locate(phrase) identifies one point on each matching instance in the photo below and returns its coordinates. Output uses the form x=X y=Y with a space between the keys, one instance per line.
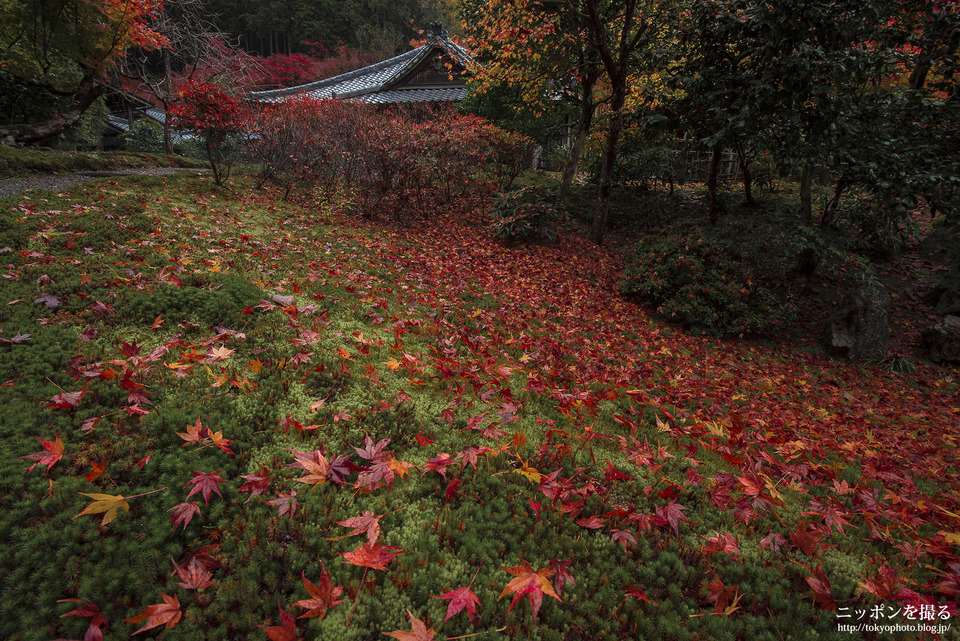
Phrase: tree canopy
x=58 y=52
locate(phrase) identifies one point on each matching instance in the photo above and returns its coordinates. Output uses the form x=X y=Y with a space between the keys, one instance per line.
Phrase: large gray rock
x=946 y=296
x=858 y=326
x=942 y=245
x=943 y=340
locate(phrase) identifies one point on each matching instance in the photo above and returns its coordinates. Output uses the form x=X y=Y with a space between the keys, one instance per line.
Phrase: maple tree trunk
x=38 y=133
x=573 y=158
x=712 y=174
x=602 y=208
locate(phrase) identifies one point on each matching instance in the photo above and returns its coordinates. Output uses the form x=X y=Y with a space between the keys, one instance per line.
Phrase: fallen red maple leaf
x=285 y=503
x=256 y=483
x=725 y=542
x=182 y=514
x=563 y=574
x=671 y=514
x=66 y=400
x=314 y=463
x=528 y=582
x=223 y=443
x=90 y=611
x=324 y=596
x=195 y=433
x=166 y=613
x=462 y=598
x=98 y=469
x=807 y=539
x=373 y=556
x=821 y=591
x=367 y=522
x=205 y=483
x=632 y=589
x=286 y=631
x=195 y=576
x=52 y=452
x=438 y=464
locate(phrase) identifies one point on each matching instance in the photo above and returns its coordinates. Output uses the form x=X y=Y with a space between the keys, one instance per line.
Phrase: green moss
x=219 y=300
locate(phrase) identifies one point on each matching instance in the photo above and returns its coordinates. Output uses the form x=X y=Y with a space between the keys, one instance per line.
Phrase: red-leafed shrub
x=383 y=161
x=287 y=70
x=208 y=111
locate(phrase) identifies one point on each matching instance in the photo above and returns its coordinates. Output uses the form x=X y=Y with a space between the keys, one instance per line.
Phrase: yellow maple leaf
x=951 y=537
x=717 y=430
x=662 y=425
x=105 y=504
x=221 y=353
x=530 y=473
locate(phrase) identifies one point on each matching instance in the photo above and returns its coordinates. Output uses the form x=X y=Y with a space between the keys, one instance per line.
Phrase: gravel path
x=16 y=186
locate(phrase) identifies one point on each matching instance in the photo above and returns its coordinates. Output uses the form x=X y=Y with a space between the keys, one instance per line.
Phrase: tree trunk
x=830 y=209
x=714 y=170
x=745 y=172
x=573 y=158
x=602 y=208
x=806 y=197
x=37 y=133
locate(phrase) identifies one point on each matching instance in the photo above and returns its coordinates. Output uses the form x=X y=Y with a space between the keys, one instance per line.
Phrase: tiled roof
x=439 y=94
x=374 y=84
x=123 y=125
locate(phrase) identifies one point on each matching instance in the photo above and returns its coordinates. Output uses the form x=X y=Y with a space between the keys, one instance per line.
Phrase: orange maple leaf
x=217 y=439
x=419 y=631
x=98 y=469
x=195 y=433
x=314 y=463
x=166 y=613
x=529 y=583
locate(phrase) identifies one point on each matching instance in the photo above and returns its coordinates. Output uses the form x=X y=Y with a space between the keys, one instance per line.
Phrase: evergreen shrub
x=709 y=283
x=146 y=135
x=523 y=215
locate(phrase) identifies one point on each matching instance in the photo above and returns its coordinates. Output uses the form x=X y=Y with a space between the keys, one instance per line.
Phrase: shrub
x=709 y=283
x=146 y=135
x=210 y=112
x=389 y=162
x=522 y=215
